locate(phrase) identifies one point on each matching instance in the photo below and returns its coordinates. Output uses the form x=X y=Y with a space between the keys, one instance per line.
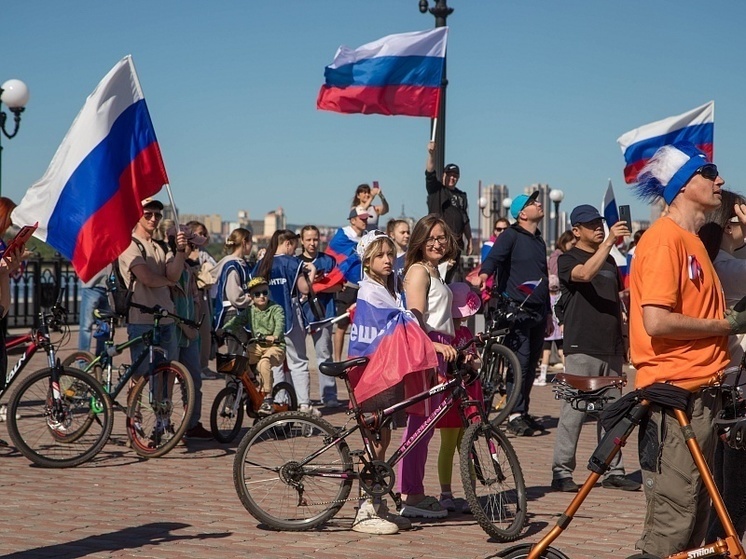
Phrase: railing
x=38 y=287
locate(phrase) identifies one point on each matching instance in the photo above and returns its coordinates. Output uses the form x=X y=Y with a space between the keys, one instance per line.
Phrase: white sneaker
x=308 y=408
x=394 y=516
x=368 y=521
x=540 y=381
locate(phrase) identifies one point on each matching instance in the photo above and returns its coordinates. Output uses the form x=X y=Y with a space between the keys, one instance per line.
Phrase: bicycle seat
x=103 y=314
x=591 y=384
x=342 y=367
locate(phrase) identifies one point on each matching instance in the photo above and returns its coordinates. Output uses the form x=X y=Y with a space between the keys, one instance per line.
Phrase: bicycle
x=161 y=401
x=589 y=393
x=243 y=394
x=58 y=417
x=500 y=374
x=294 y=472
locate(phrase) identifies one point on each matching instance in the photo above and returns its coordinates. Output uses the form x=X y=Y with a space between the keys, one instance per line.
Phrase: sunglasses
x=500 y=229
x=260 y=293
x=708 y=171
x=150 y=215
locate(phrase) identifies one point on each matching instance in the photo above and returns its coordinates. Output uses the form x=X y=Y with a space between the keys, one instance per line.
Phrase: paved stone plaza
x=184 y=505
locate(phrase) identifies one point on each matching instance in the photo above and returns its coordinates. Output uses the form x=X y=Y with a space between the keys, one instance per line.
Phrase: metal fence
x=38 y=287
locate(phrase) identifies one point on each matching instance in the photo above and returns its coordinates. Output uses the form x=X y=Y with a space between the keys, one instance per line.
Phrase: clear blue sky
x=539 y=91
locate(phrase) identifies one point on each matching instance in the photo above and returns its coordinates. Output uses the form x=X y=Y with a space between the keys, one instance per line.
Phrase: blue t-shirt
x=282 y=278
x=324 y=264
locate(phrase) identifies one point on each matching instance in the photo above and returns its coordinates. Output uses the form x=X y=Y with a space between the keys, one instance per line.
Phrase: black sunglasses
x=500 y=229
x=259 y=293
x=150 y=215
x=708 y=171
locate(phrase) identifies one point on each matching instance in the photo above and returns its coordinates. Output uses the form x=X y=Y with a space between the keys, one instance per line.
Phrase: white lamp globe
x=15 y=94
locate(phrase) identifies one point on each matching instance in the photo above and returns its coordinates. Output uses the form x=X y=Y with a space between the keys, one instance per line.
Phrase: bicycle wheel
x=521 y=552
x=501 y=381
x=80 y=359
x=226 y=415
x=493 y=481
x=63 y=433
x=284 y=397
x=276 y=484
x=159 y=408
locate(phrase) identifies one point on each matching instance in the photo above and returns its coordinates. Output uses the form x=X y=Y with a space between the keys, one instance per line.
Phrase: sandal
x=429 y=507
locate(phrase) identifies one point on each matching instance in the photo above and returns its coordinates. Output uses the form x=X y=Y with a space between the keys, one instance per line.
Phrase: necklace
x=433 y=269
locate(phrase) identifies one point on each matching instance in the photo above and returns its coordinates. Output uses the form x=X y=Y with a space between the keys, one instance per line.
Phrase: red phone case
x=23 y=236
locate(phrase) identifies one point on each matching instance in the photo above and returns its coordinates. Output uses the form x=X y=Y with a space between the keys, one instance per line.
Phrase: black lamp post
x=440 y=11
x=14 y=94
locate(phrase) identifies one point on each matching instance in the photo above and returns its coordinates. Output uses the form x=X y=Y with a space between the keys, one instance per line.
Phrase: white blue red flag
x=392 y=338
x=89 y=199
x=528 y=287
x=610 y=211
x=342 y=247
x=397 y=75
x=696 y=126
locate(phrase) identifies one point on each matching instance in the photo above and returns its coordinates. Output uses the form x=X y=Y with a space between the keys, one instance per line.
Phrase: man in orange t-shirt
x=678 y=330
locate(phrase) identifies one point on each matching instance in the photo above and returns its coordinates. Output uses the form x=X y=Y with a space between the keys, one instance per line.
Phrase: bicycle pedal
x=357 y=453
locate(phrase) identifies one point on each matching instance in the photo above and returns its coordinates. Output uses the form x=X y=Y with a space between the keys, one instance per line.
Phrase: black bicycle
x=294 y=472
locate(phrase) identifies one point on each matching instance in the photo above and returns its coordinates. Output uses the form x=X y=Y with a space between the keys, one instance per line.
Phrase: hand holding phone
x=376 y=189
x=21 y=238
x=624 y=215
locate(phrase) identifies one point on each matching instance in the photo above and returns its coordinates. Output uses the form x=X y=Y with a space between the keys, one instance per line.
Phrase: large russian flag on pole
x=394 y=341
x=89 y=200
x=396 y=75
x=696 y=126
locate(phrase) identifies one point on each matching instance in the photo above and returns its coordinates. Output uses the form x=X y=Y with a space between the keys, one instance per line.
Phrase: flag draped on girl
x=397 y=75
x=89 y=199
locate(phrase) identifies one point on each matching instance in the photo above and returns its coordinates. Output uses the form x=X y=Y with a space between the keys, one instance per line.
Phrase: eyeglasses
x=708 y=171
x=500 y=229
x=257 y=294
x=430 y=241
x=150 y=215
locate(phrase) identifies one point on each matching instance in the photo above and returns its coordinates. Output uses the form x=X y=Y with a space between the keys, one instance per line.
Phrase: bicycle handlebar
x=157 y=310
x=259 y=338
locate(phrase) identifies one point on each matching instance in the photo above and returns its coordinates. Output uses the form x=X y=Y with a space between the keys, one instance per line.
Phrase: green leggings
x=450 y=440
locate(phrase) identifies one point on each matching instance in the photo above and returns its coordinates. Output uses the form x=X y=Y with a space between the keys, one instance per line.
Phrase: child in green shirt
x=266 y=321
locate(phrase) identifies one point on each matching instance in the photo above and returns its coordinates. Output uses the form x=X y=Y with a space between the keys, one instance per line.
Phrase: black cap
x=584 y=213
x=452 y=168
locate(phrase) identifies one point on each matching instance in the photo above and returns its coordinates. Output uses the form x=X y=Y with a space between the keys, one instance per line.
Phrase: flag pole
x=434 y=128
x=173 y=204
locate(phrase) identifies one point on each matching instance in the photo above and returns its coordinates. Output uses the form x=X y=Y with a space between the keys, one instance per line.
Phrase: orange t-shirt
x=671 y=269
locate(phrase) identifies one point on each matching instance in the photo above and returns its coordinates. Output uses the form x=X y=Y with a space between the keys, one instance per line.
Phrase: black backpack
x=120 y=296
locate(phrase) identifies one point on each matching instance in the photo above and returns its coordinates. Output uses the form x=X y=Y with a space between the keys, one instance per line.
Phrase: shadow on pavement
x=135 y=537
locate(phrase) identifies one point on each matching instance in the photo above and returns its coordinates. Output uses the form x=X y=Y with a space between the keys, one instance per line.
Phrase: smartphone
x=375 y=185
x=624 y=215
x=21 y=238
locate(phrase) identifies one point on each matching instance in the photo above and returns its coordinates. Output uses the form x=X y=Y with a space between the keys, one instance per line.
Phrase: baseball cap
x=256 y=282
x=521 y=201
x=585 y=213
x=358 y=212
x=152 y=203
x=465 y=302
x=452 y=168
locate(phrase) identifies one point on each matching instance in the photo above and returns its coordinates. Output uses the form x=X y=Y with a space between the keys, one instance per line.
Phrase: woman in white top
x=363 y=199
x=429 y=299
x=722 y=235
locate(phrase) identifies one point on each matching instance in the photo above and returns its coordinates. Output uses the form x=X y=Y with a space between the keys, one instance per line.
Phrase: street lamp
x=440 y=11
x=507 y=202
x=482 y=202
x=556 y=196
x=14 y=94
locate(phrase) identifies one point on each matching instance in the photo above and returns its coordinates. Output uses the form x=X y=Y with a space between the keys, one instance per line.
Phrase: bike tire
x=271 y=483
x=284 y=397
x=501 y=380
x=225 y=424
x=82 y=356
x=155 y=426
x=493 y=482
x=522 y=551
x=69 y=436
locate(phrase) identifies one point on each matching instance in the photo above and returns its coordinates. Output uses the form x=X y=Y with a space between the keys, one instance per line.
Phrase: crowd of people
x=674 y=320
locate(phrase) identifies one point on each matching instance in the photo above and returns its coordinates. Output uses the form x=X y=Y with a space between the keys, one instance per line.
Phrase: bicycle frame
x=34 y=340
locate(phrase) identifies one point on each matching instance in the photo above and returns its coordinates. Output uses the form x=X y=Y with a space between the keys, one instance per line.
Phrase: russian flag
x=343 y=248
x=696 y=126
x=528 y=287
x=397 y=75
x=394 y=341
x=611 y=215
x=89 y=200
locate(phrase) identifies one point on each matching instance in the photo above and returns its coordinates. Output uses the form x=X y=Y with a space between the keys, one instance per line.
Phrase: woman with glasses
x=285 y=273
x=429 y=299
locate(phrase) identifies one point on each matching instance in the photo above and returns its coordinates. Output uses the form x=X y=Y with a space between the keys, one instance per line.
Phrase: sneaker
x=4 y=414
x=367 y=521
x=533 y=422
x=394 y=516
x=429 y=507
x=620 y=482
x=332 y=404
x=267 y=408
x=540 y=381
x=565 y=484
x=466 y=508
x=308 y=408
x=198 y=433
x=208 y=374
x=519 y=427
x=446 y=501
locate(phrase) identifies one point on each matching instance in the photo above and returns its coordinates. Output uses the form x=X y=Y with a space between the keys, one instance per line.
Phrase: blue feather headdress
x=668 y=171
